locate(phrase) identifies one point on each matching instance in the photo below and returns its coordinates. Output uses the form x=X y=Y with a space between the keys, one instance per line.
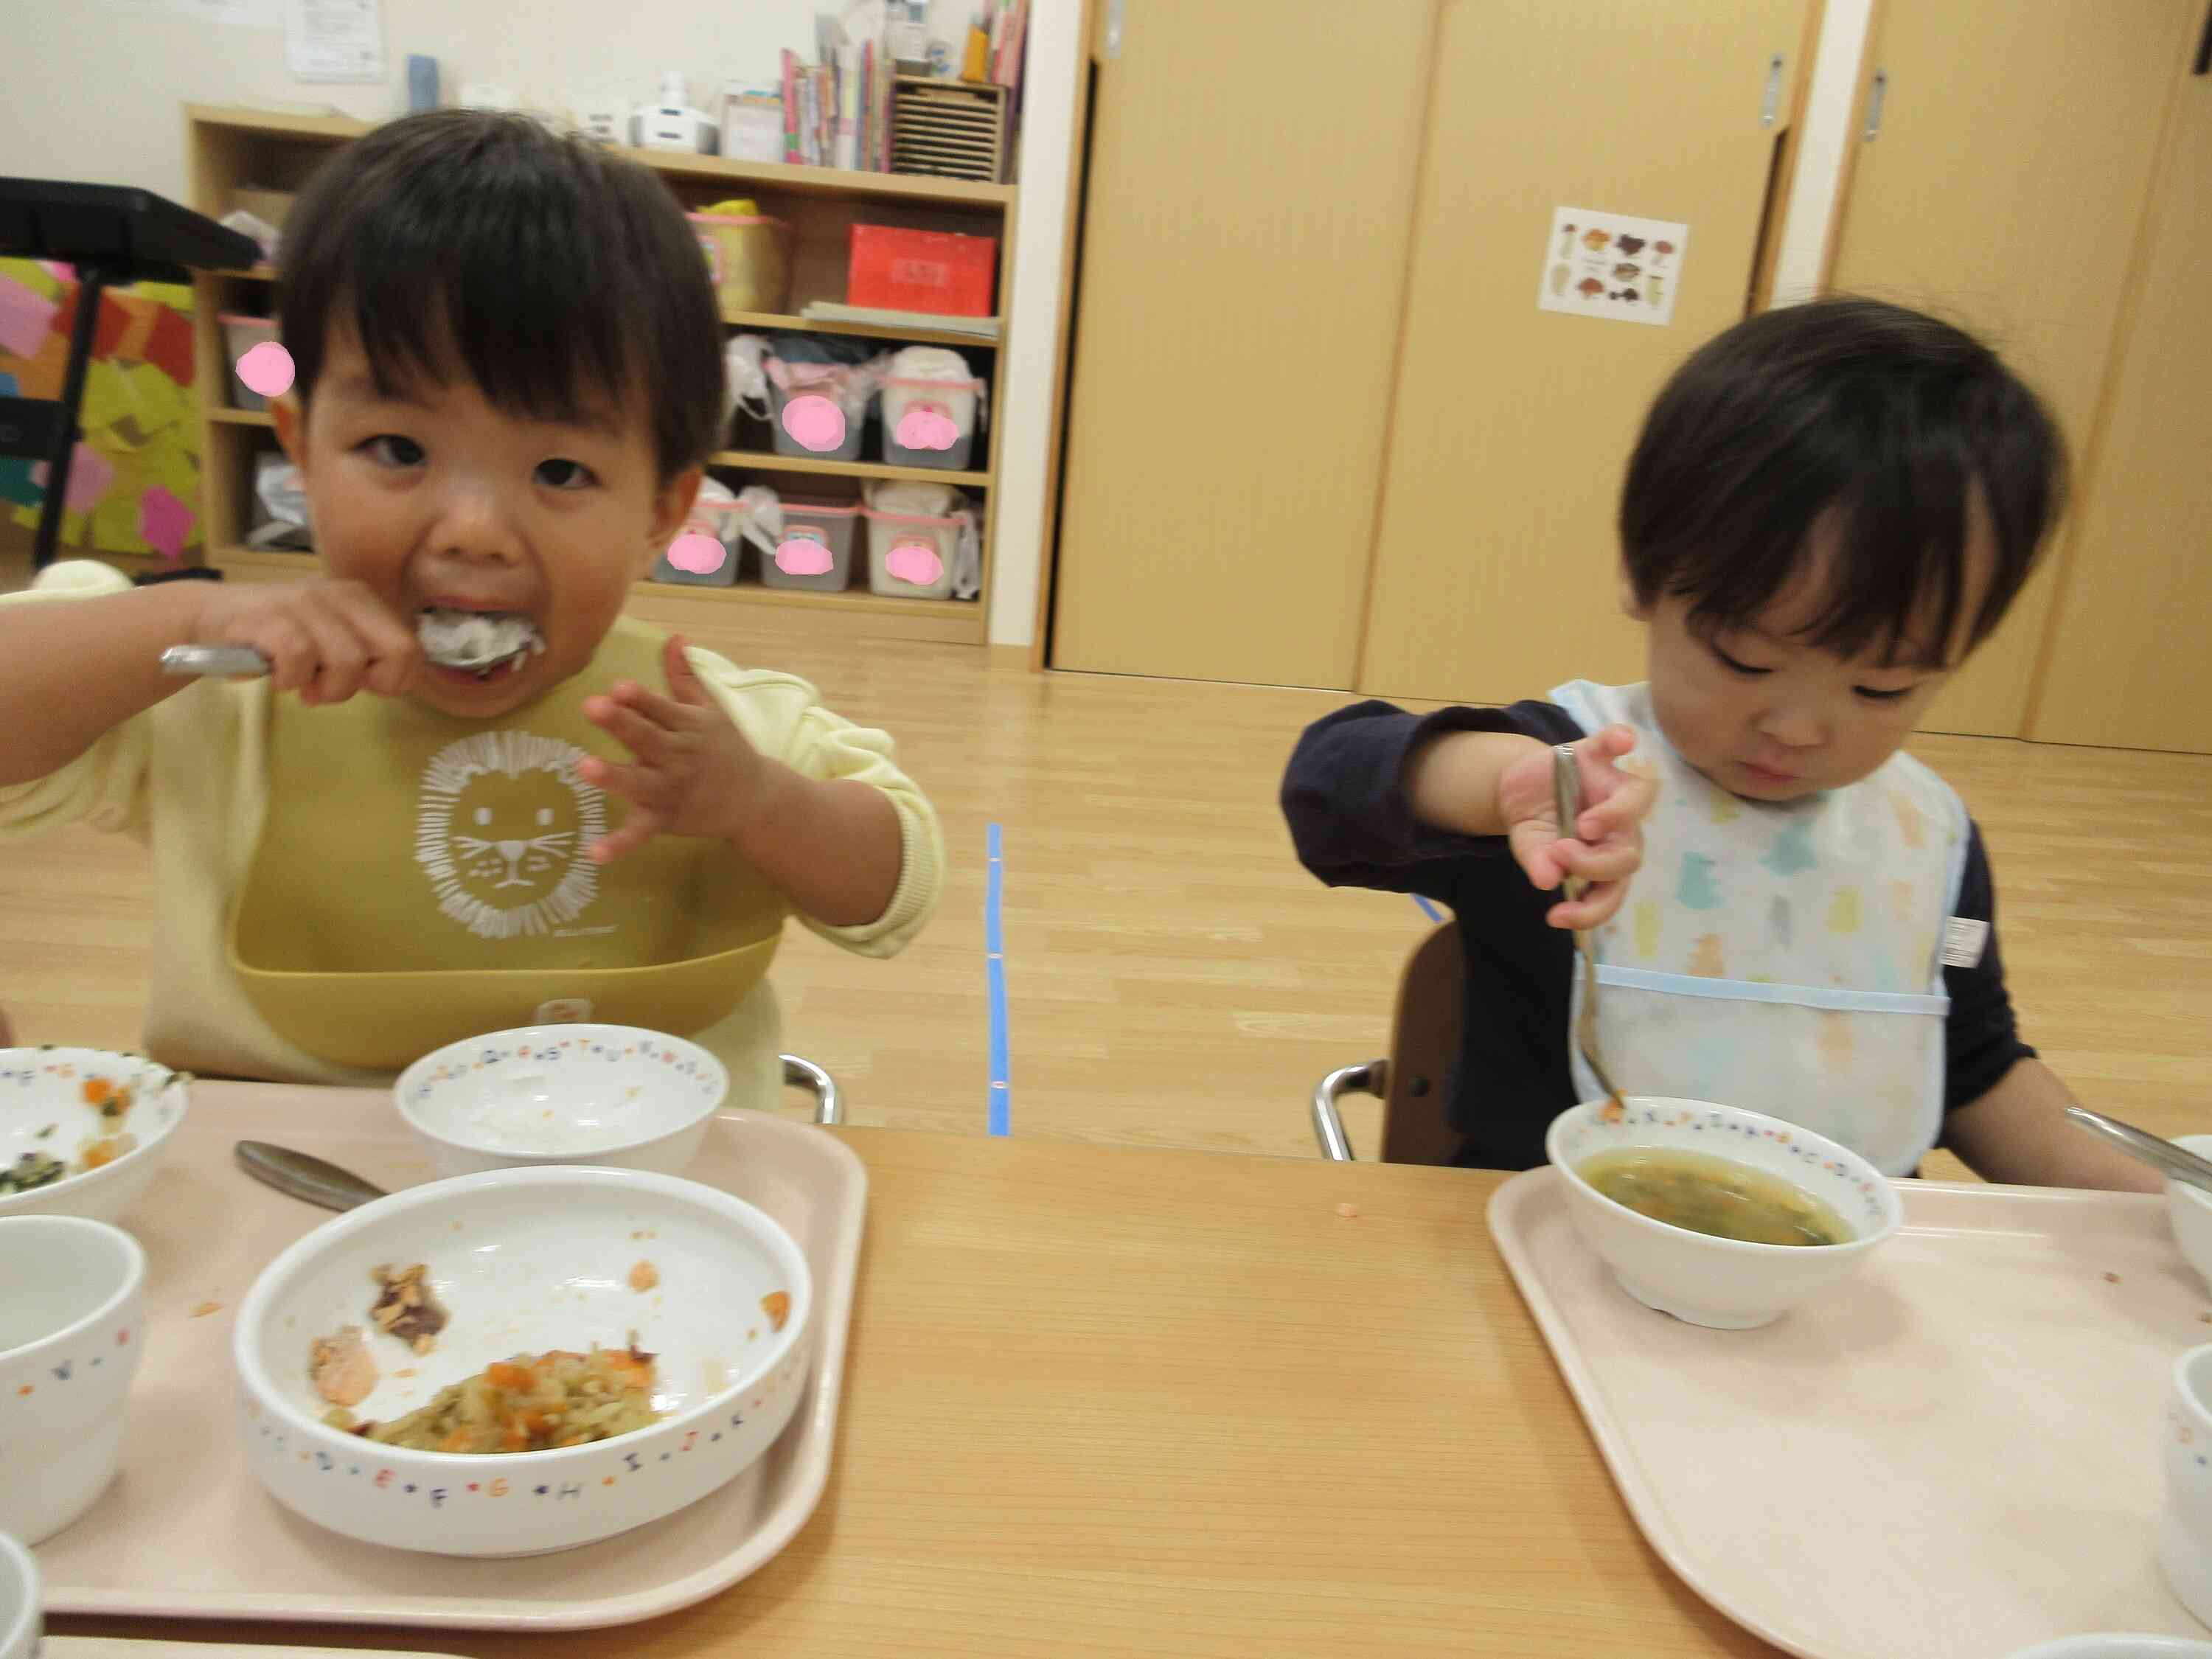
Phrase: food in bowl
x=532 y=1402
x=344 y=1370
x=405 y=1308
x=1701 y=1277
x=530 y=1261
x=1707 y=1194
x=81 y=1129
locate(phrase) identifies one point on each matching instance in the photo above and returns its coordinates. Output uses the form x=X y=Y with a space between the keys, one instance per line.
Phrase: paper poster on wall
x=334 y=39
x=1612 y=265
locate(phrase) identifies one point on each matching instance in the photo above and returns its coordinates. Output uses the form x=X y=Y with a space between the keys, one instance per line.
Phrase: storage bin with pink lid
x=239 y=335
x=815 y=549
x=708 y=552
x=922 y=542
x=933 y=405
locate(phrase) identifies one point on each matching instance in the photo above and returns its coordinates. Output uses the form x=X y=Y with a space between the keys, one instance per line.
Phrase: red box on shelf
x=929 y=270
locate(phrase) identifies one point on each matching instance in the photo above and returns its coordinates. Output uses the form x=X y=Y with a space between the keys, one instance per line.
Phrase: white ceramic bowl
x=526 y=1260
x=606 y=1094
x=20 y=1622
x=2118 y=1647
x=1720 y=1282
x=46 y=1106
x=2191 y=1212
x=71 y=1327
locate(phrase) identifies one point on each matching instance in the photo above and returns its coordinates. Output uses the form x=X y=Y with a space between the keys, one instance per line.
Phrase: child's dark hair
x=1890 y=420
x=547 y=270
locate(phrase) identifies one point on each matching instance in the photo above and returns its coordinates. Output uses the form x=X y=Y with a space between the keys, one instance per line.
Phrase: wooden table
x=1105 y=1402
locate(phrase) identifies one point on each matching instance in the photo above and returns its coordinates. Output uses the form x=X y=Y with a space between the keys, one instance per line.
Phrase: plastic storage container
x=818 y=408
x=938 y=271
x=933 y=405
x=816 y=549
x=914 y=531
x=718 y=514
x=239 y=335
x=747 y=259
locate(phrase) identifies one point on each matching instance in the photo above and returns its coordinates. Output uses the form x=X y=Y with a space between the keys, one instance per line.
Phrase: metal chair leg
x=829 y=1102
x=1372 y=1078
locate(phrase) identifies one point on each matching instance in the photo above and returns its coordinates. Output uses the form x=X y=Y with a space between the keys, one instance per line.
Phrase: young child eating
x=508 y=376
x=1829 y=506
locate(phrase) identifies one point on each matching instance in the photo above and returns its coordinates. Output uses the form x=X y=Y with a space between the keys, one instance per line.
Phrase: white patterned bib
x=1785 y=957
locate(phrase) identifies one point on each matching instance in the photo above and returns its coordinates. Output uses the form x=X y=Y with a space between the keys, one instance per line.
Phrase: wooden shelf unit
x=231 y=149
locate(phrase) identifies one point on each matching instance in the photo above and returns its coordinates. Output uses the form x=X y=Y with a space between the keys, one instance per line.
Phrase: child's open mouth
x=479 y=643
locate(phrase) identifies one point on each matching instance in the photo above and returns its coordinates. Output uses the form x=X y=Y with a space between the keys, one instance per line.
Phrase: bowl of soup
x=1716 y=1215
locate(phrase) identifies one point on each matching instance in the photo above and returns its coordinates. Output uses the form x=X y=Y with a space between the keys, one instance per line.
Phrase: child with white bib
x=1830 y=506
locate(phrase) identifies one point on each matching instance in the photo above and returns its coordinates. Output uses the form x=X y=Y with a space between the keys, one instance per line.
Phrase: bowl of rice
x=611 y=1095
x=84 y=1130
x=522 y=1360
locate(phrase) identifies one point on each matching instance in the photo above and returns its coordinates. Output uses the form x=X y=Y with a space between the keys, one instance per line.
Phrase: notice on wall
x=1612 y=265
x=334 y=39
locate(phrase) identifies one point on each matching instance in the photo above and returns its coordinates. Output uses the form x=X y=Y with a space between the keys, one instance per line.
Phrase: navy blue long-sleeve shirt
x=1352 y=821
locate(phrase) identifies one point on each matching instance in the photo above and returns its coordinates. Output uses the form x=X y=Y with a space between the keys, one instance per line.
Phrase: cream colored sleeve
x=782 y=716
x=106 y=786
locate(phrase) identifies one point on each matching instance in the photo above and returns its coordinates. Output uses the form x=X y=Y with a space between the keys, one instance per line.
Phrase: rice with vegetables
x=532 y=1402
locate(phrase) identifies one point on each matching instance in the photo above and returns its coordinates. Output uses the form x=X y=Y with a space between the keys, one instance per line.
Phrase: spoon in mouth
x=444 y=647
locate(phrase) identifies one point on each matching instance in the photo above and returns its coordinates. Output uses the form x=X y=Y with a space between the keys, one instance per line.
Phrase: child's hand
x=324 y=640
x=1604 y=847
x=693 y=774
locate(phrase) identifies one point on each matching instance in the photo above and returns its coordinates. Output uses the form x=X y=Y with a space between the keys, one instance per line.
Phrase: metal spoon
x=1567 y=793
x=2177 y=1162
x=242 y=662
x=296 y=1175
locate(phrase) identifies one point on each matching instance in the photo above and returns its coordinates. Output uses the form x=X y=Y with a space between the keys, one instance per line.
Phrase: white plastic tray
x=187 y=1532
x=1954 y=1456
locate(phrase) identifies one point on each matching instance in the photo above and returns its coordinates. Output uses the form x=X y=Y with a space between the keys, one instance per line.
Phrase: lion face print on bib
x=504 y=830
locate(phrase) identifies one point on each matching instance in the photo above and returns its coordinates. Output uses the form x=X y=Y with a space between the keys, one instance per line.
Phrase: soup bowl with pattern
x=1729 y=1284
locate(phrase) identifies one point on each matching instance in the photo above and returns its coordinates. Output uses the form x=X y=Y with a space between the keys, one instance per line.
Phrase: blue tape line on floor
x=995 y=964
x=1428 y=910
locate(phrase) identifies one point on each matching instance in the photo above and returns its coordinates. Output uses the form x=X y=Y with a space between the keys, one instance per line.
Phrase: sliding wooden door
x=1495 y=567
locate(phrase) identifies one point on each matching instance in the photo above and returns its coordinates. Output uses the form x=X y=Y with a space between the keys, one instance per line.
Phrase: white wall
x=93 y=89
x=1826 y=140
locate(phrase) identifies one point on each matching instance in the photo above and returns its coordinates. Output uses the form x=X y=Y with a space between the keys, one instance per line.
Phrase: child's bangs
x=539 y=337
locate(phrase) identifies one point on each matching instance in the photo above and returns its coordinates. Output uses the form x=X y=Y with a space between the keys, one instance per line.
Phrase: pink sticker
x=164 y=521
x=803 y=554
x=814 y=423
x=916 y=563
x=25 y=317
x=266 y=369
x=90 y=473
x=703 y=555
x=927 y=427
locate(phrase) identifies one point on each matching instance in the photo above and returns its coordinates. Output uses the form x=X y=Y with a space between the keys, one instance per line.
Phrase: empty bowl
x=70 y=1330
x=525 y=1262
x=607 y=1095
x=1702 y=1280
x=20 y=1622
x=88 y=1127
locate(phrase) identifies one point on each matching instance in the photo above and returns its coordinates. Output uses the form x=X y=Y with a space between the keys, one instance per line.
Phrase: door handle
x=1770 y=105
x=1115 y=19
x=1877 y=95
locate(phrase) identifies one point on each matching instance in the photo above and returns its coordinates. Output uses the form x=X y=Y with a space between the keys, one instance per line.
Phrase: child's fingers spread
x=640 y=735
x=638 y=827
x=683 y=682
x=627 y=781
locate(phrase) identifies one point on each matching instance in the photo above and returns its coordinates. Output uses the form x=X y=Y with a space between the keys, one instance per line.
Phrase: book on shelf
x=831 y=310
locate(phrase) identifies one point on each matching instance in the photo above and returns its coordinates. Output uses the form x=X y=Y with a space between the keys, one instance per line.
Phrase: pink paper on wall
x=25 y=317
x=164 y=521
x=90 y=473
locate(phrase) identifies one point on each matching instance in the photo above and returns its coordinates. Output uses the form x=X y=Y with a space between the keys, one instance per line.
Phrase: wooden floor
x=1175 y=979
